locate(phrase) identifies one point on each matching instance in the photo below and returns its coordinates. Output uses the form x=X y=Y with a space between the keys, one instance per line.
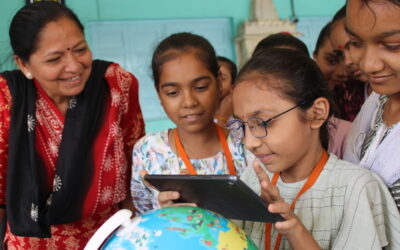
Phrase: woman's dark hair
x=231 y=65
x=302 y=80
x=322 y=37
x=280 y=40
x=29 y=21
x=179 y=43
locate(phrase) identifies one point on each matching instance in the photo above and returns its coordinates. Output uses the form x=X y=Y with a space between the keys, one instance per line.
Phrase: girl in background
x=187 y=79
x=281 y=103
x=373 y=141
x=327 y=60
x=331 y=66
x=351 y=94
x=228 y=73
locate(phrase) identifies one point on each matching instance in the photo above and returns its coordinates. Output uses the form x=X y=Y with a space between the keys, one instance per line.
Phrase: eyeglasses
x=257 y=126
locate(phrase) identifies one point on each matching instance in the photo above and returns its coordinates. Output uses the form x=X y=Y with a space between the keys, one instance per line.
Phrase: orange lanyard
x=181 y=152
x=309 y=183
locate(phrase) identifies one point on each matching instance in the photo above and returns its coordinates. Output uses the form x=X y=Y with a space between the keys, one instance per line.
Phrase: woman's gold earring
x=29 y=76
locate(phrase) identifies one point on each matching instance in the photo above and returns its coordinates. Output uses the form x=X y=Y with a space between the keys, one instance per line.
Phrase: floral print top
x=154 y=154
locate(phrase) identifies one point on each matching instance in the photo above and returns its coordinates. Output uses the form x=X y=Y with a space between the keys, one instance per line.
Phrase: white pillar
x=264 y=22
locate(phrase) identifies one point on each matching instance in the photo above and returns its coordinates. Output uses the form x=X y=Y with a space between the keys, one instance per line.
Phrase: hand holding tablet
x=224 y=194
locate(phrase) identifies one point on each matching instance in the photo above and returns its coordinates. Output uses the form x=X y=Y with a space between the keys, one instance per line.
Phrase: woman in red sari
x=67 y=128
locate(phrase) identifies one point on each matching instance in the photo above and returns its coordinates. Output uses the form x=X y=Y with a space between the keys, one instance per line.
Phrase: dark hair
x=29 y=21
x=303 y=81
x=231 y=65
x=322 y=37
x=179 y=43
x=279 y=40
x=340 y=14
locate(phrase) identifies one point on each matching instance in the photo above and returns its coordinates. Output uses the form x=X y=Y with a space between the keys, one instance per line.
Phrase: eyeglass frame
x=264 y=123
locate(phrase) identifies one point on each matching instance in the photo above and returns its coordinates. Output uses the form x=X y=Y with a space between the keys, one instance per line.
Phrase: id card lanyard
x=309 y=183
x=181 y=152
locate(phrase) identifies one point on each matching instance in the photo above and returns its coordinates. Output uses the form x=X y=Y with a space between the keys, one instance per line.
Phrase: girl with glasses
x=338 y=128
x=281 y=103
x=187 y=79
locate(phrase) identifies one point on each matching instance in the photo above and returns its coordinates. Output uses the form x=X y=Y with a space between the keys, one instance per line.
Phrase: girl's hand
x=276 y=204
x=166 y=198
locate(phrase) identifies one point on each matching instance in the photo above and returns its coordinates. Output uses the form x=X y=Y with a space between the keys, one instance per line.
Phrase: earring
x=29 y=76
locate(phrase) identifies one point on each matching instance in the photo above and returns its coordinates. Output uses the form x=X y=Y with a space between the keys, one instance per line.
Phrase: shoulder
x=369 y=208
x=360 y=127
x=343 y=173
x=340 y=124
x=237 y=148
x=5 y=95
x=119 y=77
x=154 y=141
x=240 y=155
x=368 y=108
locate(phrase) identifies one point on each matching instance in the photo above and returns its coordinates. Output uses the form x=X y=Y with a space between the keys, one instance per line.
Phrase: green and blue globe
x=180 y=228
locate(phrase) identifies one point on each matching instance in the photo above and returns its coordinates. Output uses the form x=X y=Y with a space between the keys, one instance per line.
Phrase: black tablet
x=224 y=194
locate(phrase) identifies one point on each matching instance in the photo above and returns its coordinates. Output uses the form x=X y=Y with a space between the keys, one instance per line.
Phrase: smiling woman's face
x=62 y=61
x=374 y=32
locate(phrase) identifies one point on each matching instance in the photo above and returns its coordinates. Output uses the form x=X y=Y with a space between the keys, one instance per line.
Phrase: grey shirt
x=348 y=207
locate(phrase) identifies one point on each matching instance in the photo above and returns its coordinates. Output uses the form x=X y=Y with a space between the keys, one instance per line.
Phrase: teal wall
x=238 y=10
x=306 y=8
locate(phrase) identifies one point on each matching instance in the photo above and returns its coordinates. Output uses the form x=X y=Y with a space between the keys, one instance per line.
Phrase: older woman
x=67 y=128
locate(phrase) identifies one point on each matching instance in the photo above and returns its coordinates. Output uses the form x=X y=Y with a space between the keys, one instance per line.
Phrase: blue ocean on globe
x=179 y=228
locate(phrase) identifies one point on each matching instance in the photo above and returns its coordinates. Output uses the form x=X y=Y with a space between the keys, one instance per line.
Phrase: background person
x=228 y=73
x=373 y=141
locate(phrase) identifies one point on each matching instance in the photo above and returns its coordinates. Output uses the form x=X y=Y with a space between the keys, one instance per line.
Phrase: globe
x=179 y=228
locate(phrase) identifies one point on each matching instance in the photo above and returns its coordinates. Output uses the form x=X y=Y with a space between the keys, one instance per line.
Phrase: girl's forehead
x=372 y=18
x=254 y=92
x=249 y=101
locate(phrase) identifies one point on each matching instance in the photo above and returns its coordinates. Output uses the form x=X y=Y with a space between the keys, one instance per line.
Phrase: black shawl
x=31 y=208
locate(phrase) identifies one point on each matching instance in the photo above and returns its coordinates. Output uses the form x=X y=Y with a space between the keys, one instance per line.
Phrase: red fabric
x=122 y=127
x=349 y=97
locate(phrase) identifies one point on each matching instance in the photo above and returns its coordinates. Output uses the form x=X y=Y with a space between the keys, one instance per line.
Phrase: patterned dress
x=153 y=154
x=123 y=125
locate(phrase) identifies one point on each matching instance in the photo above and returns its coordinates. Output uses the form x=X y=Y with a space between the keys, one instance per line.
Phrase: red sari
x=122 y=127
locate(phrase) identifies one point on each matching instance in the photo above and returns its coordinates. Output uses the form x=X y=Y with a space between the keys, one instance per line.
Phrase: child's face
x=189 y=92
x=329 y=64
x=226 y=79
x=374 y=32
x=340 y=44
x=288 y=136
